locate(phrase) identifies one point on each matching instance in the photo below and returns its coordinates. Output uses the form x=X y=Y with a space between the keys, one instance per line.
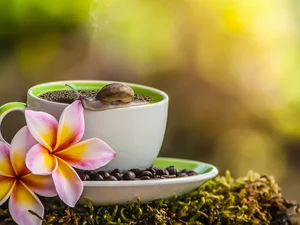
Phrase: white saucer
x=122 y=192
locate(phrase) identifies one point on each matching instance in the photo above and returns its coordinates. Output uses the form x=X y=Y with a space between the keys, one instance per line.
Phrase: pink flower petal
x=70 y=126
x=88 y=155
x=20 y=145
x=7 y=185
x=43 y=127
x=42 y=185
x=22 y=199
x=6 y=168
x=67 y=182
x=39 y=161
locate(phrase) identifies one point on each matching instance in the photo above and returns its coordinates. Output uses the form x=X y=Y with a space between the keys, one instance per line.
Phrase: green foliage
x=18 y=17
x=254 y=199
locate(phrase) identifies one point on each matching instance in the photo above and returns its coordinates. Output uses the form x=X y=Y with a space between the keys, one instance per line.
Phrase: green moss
x=253 y=199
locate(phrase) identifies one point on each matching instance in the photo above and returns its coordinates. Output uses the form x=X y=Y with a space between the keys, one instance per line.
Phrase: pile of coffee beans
x=151 y=173
x=68 y=96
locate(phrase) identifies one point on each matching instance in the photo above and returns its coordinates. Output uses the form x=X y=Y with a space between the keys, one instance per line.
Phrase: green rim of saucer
x=199 y=167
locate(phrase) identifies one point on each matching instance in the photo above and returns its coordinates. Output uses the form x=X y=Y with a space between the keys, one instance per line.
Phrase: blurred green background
x=231 y=69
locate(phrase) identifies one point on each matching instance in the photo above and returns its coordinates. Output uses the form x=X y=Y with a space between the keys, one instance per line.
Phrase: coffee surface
x=68 y=96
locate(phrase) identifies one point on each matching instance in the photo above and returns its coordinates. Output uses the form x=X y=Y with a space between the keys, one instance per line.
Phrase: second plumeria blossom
x=58 y=150
x=18 y=184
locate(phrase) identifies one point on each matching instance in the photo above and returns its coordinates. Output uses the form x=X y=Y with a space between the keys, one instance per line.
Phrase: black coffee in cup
x=68 y=96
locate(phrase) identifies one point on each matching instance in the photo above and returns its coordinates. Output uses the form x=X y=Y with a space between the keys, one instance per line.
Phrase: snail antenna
x=75 y=91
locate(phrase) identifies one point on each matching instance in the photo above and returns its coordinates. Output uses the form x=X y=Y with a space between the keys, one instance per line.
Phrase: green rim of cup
x=93 y=85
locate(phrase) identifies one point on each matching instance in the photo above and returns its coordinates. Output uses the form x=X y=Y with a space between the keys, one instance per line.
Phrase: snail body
x=114 y=95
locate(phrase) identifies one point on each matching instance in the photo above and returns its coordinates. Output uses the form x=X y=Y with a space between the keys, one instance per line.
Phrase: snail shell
x=115 y=92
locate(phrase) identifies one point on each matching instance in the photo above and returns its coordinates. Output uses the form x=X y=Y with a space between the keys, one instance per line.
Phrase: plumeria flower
x=18 y=184
x=59 y=149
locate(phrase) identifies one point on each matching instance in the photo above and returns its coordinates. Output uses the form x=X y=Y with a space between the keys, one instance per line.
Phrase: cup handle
x=8 y=108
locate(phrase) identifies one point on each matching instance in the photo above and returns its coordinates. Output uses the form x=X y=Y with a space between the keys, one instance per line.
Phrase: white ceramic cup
x=135 y=133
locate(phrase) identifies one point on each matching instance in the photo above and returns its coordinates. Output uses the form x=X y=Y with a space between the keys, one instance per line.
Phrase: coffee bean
x=104 y=173
x=111 y=178
x=137 y=172
x=169 y=176
x=152 y=170
x=83 y=176
x=153 y=167
x=182 y=175
x=115 y=171
x=97 y=177
x=146 y=173
x=87 y=177
x=172 y=170
x=162 y=172
x=183 y=171
x=145 y=178
x=191 y=173
x=118 y=176
x=129 y=175
x=87 y=172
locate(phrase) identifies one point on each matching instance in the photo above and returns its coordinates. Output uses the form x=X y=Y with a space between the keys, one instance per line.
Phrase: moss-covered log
x=254 y=199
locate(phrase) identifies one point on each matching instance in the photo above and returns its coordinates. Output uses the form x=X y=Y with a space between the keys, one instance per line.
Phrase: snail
x=114 y=95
